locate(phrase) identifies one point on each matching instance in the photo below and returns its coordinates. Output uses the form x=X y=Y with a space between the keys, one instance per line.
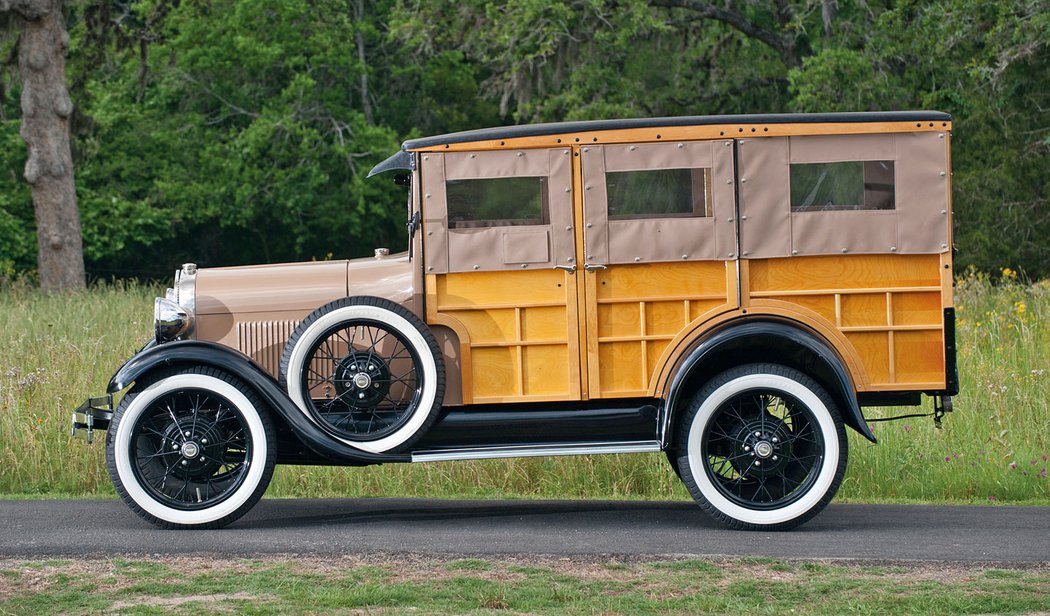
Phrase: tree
x=46 y=108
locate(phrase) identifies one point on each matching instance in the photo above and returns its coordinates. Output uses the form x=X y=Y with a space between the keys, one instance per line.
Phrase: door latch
x=569 y=268
x=593 y=267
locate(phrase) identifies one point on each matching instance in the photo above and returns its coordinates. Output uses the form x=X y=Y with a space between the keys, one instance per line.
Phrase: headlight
x=186 y=287
x=170 y=320
x=173 y=314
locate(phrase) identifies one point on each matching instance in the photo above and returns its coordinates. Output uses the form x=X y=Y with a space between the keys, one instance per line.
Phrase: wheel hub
x=197 y=446
x=362 y=380
x=762 y=446
x=190 y=449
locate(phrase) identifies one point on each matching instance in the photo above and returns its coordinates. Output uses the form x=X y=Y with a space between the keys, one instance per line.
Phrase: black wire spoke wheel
x=763 y=449
x=364 y=379
x=190 y=449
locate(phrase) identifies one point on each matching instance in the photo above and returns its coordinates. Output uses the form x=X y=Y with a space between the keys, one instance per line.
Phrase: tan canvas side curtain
x=911 y=216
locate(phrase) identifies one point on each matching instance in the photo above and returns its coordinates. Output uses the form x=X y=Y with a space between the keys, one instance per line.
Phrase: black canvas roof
x=402 y=160
x=554 y=128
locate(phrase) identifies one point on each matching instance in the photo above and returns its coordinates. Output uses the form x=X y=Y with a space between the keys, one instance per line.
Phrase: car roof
x=555 y=128
x=403 y=159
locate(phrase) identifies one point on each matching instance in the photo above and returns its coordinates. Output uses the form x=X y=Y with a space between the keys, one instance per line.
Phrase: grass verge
x=56 y=350
x=407 y=584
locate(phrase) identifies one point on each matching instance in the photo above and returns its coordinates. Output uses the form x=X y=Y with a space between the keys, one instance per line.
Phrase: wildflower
x=907 y=428
x=1034 y=461
x=1044 y=457
x=1043 y=474
x=947 y=458
x=991 y=499
x=1008 y=274
x=1013 y=466
x=1019 y=308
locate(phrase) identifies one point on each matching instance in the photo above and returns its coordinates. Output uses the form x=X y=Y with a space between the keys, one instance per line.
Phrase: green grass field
x=414 y=585
x=55 y=350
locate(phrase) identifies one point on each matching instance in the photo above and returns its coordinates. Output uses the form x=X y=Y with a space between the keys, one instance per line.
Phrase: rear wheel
x=190 y=449
x=762 y=447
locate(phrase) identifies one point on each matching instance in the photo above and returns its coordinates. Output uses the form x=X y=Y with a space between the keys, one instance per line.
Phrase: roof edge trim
x=554 y=128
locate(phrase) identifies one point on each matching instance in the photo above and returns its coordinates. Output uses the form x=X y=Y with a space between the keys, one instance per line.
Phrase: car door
x=660 y=250
x=500 y=252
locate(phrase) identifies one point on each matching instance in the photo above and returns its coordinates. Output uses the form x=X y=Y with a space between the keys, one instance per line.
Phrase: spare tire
x=367 y=371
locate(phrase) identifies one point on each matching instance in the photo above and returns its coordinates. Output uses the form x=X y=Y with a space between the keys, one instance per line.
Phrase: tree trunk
x=366 y=99
x=46 y=108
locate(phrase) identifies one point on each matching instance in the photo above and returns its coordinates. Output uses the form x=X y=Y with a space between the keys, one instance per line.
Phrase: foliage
x=236 y=131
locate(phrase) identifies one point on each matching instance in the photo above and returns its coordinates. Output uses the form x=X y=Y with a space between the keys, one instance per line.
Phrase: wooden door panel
x=494 y=284
x=652 y=276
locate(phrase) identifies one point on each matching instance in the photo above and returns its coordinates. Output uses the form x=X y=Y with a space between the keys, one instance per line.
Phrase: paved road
x=1004 y=535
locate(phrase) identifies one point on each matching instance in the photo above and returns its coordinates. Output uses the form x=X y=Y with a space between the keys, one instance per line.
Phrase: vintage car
x=730 y=290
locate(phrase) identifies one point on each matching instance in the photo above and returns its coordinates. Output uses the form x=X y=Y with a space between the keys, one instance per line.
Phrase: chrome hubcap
x=362 y=380
x=764 y=449
x=190 y=449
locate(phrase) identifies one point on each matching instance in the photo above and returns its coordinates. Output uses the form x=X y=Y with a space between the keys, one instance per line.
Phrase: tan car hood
x=270 y=288
x=300 y=286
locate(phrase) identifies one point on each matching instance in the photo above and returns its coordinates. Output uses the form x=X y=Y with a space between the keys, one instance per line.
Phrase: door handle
x=592 y=267
x=569 y=268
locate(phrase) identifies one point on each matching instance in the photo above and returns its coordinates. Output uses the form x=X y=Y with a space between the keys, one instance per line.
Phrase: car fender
x=768 y=335
x=197 y=352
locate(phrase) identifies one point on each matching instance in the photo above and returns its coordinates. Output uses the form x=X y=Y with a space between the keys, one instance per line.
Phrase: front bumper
x=93 y=414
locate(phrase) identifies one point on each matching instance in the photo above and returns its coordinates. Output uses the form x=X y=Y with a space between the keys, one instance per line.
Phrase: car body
x=731 y=290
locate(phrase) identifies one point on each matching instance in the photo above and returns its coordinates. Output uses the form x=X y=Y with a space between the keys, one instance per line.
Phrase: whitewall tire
x=367 y=371
x=762 y=447
x=190 y=448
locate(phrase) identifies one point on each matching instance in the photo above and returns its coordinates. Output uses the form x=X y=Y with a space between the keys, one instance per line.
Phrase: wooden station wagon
x=729 y=290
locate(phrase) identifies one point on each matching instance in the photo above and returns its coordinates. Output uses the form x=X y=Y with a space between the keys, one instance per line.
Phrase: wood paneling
x=518 y=327
x=640 y=309
x=888 y=307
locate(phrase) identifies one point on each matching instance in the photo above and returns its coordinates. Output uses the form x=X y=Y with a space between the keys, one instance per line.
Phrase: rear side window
x=858 y=185
x=497 y=202
x=658 y=193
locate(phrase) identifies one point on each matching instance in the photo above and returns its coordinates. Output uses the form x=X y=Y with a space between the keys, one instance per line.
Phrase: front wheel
x=762 y=447
x=190 y=448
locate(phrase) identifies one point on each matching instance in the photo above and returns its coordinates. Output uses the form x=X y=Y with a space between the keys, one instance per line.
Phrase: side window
x=853 y=185
x=658 y=202
x=871 y=193
x=658 y=193
x=497 y=202
x=497 y=210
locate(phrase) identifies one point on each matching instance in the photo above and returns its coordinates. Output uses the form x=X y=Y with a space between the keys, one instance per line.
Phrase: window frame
x=705 y=190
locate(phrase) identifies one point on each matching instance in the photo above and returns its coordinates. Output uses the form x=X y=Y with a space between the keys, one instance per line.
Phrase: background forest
x=238 y=131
